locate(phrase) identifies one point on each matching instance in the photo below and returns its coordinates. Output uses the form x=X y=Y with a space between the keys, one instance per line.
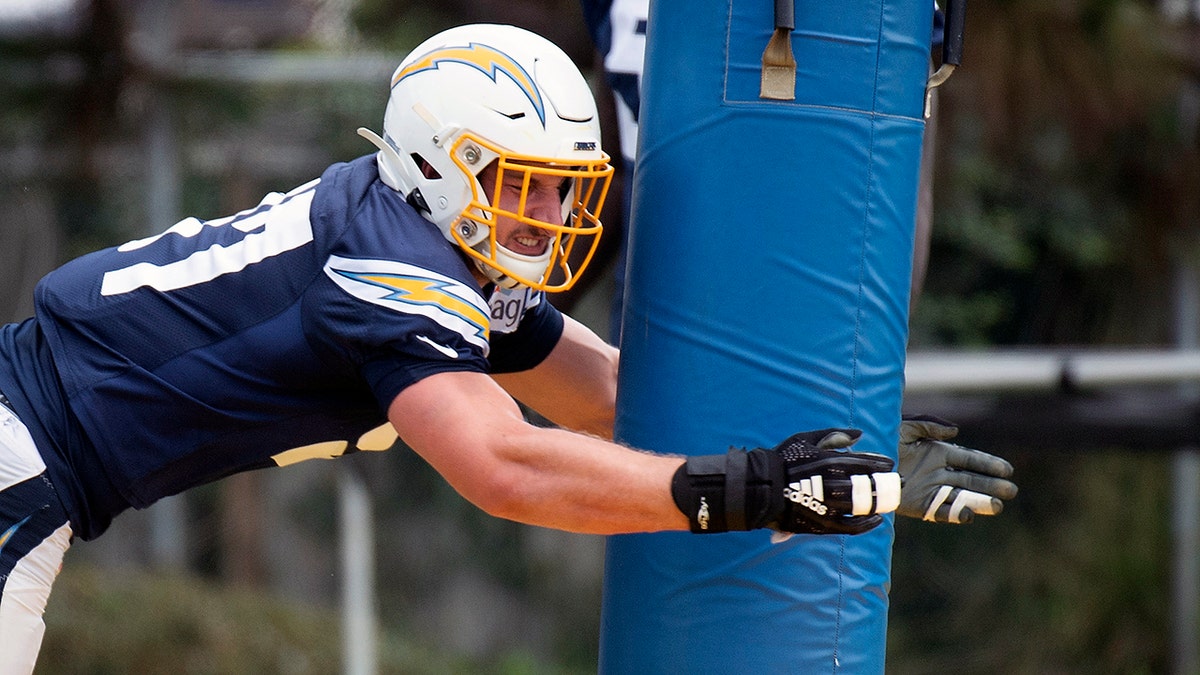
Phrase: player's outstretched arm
x=947 y=483
x=473 y=433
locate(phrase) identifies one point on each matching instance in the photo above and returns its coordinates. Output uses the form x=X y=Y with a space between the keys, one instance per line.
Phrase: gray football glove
x=947 y=483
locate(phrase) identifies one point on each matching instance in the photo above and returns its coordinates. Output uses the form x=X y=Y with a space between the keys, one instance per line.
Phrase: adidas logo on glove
x=809 y=493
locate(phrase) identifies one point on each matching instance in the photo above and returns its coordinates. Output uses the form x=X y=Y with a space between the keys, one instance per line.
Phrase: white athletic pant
x=34 y=535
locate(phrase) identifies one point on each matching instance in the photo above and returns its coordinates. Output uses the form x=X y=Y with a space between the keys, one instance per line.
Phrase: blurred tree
x=1061 y=180
x=1071 y=578
x=401 y=24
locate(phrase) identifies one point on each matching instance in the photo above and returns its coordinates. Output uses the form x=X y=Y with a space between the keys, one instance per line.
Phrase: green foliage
x=106 y=622
x=1059 y=154
x=399 y=26
x=1070 y=578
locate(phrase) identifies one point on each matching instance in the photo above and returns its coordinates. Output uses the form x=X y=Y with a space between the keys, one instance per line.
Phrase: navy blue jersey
x=250 y=341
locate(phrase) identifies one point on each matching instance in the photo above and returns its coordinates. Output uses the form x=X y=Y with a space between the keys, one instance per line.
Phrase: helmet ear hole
x=425 y=167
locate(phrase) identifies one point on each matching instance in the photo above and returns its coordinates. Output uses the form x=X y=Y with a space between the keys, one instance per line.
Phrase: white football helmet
x=478 y=94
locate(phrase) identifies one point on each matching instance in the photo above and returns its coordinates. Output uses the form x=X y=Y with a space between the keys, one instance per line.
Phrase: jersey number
x=282 y=224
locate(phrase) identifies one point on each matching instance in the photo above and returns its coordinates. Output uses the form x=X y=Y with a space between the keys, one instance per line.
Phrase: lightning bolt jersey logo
x=415 y=290
x=8 y=534
x=485 y=59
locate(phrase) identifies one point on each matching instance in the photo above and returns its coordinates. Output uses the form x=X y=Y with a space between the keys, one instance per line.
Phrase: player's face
x=544 y=203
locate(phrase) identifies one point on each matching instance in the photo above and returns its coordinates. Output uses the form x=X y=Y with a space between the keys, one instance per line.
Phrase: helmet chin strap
x=496 y=276
x=528 y=266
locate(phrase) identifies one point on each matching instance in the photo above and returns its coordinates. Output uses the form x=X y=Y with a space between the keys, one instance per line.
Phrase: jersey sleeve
x=400 y=323
x=405 y=364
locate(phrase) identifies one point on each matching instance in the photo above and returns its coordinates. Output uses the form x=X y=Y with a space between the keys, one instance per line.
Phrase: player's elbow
x=507 y=472
x=502 y=495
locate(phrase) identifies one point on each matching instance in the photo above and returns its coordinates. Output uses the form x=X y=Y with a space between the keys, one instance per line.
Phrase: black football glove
x=947 y=483
x=807 y=484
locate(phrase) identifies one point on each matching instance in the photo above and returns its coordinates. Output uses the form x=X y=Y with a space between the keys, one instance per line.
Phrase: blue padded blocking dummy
x=768 y=281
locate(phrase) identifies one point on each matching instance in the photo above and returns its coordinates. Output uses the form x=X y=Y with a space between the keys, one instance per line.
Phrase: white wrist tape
x=980 y=504
x=874 y=493
x=965 y=499
x=940 y=498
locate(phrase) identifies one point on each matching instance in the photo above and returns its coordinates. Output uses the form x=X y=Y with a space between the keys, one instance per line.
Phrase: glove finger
x=982 y=504
x=926 y=427
x=836 y=439
x=977 y=461
x=834 y=524
x=993 y=487
x=876 y=493
x=857 y=494
x=835 y=494
x=874 y=460
x=858 y=524
x=844 y=464
x=805 y=441
x=960 y=506
x=964 y=516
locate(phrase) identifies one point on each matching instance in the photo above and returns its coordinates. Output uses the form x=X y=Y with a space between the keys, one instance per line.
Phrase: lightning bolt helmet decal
x=485 y=59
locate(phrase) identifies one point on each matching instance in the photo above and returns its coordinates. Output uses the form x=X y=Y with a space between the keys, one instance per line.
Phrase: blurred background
x=1066 y=215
